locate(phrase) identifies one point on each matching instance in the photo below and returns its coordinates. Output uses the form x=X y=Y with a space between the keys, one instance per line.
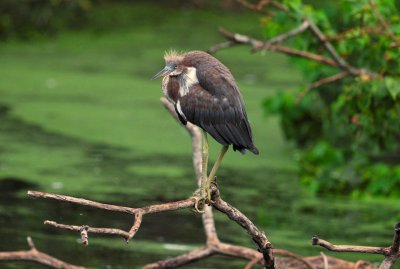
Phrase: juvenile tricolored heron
x=205 y=93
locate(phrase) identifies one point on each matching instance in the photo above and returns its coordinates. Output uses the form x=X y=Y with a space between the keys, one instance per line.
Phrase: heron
x=204 y=93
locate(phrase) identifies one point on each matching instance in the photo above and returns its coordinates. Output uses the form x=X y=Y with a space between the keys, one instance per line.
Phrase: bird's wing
x=219 y=116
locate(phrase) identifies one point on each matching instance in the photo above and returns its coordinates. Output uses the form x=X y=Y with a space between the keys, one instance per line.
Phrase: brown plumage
x=205 y=93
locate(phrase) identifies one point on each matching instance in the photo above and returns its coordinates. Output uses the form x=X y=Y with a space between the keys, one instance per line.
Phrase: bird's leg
x=200 y=195
x=213 y=172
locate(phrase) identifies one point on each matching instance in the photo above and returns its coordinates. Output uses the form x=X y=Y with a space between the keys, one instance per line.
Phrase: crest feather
x=172 y=55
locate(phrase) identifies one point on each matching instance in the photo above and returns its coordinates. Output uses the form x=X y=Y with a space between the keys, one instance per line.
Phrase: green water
x=79 y=116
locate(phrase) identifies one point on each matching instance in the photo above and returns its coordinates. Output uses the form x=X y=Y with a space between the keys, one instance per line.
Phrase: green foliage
x=347 y=131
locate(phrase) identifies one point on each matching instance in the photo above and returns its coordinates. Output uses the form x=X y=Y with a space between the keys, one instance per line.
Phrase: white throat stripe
x=187 y=80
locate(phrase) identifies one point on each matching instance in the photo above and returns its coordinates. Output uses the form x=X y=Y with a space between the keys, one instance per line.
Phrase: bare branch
x=391 y=253
x=394 y=253
x=274 y=44
x=109 y=231
x=283 y=37
x=137 y=212
x=348 y=248
x=80 y=201
x=286 y=253
x=265 y=247
x=261 y=4
x=342 y=64
x=181 y=260
x=328 y=80
x=325 y=259
x=264 y=255
x=261 y=45
x=30 y=242
x=36 y=256
x=252 y=262
x=396 y=239
x=219 y=46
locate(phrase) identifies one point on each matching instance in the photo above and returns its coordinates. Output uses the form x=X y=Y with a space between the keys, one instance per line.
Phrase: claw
x=199 y=202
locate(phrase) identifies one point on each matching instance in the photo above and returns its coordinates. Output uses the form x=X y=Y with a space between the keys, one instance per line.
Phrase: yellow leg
x=200 y=196
x=213 y=172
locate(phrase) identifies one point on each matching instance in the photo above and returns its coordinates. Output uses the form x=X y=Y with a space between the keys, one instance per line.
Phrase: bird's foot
x=199 y=201
x=199 y=204
x=202 y=196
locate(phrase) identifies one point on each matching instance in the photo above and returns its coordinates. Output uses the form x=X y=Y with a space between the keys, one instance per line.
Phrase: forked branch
x=136 y=212
x=391 y=253
x=264 y=254
x=329 y=56
x=213 y=244
x=37 y=256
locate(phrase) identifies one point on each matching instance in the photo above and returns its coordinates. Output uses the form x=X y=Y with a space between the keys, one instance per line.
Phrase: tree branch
x=137 y=212
x=391 y=253
x=261 y=4
x=394 y=252
x=213 y=245
x=265 y=247
x=37 y=256
x=265 y=45
x=347 y=248
x=341 y=63
x=274 y=44
x=181 y=260
x=283 y=37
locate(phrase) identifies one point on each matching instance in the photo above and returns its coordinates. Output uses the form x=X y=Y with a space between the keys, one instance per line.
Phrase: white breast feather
x=187 y=80
x=179 y=108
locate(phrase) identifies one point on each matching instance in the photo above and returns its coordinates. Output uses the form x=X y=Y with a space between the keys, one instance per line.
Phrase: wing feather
x=218 y=117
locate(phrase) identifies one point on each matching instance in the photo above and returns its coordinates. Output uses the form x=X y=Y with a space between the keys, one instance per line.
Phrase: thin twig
x=252 y=262
x=261 y=4
x=37 y=256
x=391 y=253
x=348 y=248
x=95 y=230
x=285 y=36
x=137 y=212
x=261 y=45
x=342 y=64
x=286 y=253
x=181 y=260
x=219 y=46
x=328 y=80
x=325 y=259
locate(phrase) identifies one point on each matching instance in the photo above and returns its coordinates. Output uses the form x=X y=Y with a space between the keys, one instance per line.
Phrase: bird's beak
x=167 y=69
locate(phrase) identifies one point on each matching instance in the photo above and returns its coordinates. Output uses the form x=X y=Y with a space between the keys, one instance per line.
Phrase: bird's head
x=173 y=65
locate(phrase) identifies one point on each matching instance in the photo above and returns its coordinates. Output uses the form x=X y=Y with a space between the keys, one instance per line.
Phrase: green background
x=80 y=116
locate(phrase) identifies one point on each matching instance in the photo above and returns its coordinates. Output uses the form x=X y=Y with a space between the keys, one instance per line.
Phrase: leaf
x=393 y=86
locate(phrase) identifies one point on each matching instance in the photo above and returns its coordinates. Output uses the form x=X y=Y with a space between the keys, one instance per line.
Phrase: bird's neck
x=170 y=87
x=186 y=80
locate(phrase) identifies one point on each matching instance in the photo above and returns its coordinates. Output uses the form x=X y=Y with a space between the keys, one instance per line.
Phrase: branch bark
x=274 y=44
x=264 y=254
x=391 y=253
x=137 y=212
x=213 y=246
x=37 y=256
